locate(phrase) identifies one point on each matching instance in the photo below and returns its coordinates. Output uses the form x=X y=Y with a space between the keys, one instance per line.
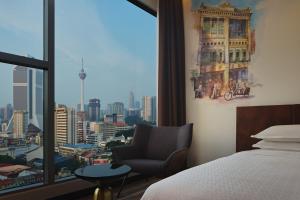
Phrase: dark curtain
x=171 y=64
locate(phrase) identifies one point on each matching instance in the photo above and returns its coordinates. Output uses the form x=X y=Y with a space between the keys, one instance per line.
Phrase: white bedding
x=249 y=175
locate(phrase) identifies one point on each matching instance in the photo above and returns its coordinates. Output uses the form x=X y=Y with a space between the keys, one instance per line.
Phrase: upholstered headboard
x=253 y=119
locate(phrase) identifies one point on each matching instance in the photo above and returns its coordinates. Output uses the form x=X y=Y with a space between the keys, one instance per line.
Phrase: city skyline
x=123 y=65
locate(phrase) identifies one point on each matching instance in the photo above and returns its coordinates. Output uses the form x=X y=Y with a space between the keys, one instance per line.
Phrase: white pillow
x=283 y=133
x=283 y=146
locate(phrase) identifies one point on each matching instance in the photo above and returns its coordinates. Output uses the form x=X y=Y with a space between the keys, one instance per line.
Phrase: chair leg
x=122 y=186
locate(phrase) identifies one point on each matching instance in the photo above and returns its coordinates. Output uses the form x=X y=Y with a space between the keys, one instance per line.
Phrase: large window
x=105 y=79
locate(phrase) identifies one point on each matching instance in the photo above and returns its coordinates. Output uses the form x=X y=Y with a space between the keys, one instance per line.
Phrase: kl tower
x=82 y=76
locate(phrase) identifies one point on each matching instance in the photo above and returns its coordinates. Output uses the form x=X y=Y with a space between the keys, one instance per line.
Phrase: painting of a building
x=226 y=43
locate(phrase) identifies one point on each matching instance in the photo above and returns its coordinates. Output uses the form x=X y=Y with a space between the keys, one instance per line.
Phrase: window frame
x=47 y=65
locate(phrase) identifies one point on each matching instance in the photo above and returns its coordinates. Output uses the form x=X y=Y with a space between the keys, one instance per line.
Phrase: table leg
x=103 y=194
x=122 y=186
x=96 y=194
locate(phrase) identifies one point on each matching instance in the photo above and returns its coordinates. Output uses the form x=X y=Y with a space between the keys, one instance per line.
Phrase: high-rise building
x=102 y=113
x=20 y=124
x=114 y=118
x=82 y=76
x=94 y=110
x=8 y=112
x=65 y=132
x=115 y=108
x=2 y=111
x=94 y=138
x=118 y=108
x=3 y=126
x=137 y=104
x=85 y=108
x=153 y=109
x=110 y=129
x=146 y=108
x=28 y=93
x=149 y=108
x=82 y=127
x=96 y=127
x=109 y=109
x=134 y=112
x=131 y=100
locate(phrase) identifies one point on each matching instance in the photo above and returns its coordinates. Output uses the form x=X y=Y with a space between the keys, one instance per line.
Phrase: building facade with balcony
x=225 y=46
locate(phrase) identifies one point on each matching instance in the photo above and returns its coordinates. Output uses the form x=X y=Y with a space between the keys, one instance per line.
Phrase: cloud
x=22 y=16
x=80 y=32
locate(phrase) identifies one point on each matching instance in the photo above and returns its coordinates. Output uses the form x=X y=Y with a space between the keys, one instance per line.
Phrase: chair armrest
x=176 y=161
x=124 y=152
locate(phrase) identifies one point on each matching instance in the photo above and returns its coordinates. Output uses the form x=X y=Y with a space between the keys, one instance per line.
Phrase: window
x=24 y=136
x=230 y=56
x=237 y=56
x=244 y=55
x=105 y=79
x=237 y=28
x=21 y=131
x=214 y=26
x=44 y=135
x=213 y=57
x=220 y=57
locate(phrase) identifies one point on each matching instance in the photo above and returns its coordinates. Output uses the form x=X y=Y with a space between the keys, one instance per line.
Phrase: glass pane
x=21 y=27
x=101 y=97
x=21 y=131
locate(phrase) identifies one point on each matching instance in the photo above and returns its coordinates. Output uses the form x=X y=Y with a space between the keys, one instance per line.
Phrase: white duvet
x=249 y=175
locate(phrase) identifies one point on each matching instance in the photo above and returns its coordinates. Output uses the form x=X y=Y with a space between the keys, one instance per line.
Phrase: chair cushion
x=145 y=166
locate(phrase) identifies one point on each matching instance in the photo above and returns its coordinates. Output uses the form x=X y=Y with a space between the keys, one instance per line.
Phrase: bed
x=249 y=174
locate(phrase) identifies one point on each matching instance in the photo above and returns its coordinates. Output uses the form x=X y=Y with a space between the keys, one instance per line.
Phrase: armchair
x=156 y=151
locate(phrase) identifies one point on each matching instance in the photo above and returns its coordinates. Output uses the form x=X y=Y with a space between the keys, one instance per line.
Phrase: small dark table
x=103 y=175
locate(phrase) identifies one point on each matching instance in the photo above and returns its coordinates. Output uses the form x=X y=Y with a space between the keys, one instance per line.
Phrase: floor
x=131 y=191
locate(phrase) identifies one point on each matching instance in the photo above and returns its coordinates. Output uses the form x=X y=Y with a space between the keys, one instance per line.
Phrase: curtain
x=171 y=64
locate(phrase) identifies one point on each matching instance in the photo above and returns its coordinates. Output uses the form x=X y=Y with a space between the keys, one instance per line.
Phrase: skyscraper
x=131 y=100
x=8 y=112
x=146 y=105
x=82 y=130
x=82 y=76
x=149 y=108
x=20 y=124
x=115 y=108
x=82 y=126
x=65 y=132
x=94 y=110
x=28 y=93
x=153 y=109
x=118 y=108
x=109 y=109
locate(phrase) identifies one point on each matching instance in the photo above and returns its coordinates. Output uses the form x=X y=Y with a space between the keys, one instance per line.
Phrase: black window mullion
x=23 y=61
x=49 y=103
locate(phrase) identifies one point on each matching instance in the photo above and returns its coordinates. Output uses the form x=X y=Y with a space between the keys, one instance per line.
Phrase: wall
x=151 y=3
x=275 y=65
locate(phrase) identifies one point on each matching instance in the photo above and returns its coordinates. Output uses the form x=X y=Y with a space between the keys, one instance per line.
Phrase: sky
x=116 y=40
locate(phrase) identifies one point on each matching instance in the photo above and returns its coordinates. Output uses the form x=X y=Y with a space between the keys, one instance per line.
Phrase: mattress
x=248 y=175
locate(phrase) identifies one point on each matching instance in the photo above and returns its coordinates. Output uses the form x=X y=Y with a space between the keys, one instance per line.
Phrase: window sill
x=49 y=191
